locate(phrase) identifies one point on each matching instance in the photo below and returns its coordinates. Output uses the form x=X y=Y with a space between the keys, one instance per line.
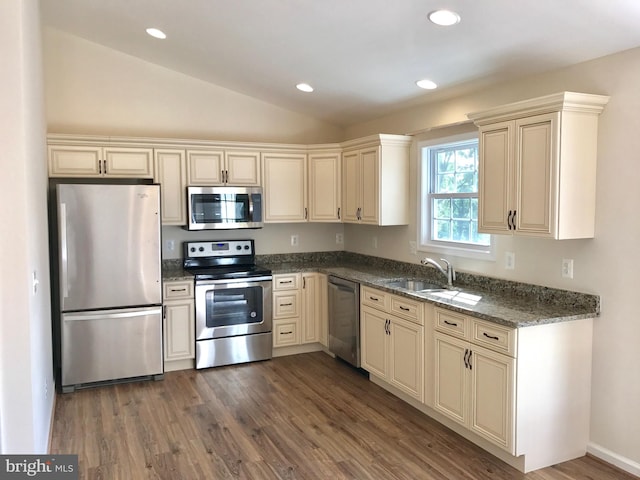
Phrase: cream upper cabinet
x=223 y=167
x=325 y=187
x=537 y=169
x=285 y=187
x=375 y=180
x=100 y=161
x=171 y=173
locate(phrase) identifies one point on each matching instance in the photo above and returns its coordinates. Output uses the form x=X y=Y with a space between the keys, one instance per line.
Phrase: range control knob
x=201 y=249
x=193 y=249
x=238 y=247
x=246 y=247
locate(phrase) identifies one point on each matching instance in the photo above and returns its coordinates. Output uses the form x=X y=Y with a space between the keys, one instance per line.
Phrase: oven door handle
x=222 y=281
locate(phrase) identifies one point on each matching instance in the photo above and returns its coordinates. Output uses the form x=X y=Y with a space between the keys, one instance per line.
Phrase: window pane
x=446 y=183
x=461 y=231
x=442 y=229
x=466 y=182
x=461 y=208
x=446 y=161
x=479 y=238
x=442 y=208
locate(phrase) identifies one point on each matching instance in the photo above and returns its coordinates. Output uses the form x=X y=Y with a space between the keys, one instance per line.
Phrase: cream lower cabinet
x=537 y=166
x=299 y=309
x=391 y=346
x=100 y=161
x=178 y=325
x=171 y=173
x=287 y=310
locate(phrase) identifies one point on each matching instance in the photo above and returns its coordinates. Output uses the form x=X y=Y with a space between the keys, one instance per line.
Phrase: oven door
x=227 y=308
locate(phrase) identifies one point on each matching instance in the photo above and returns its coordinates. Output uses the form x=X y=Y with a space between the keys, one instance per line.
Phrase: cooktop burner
x=228 y=259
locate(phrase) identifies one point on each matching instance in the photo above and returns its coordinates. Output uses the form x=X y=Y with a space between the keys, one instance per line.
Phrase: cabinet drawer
x=286 y=304
x=496 y=337
x=375 y=298
x=176 y=290
x=452 y=323
x=408 y=309
x=285 y=333
x=286 y=282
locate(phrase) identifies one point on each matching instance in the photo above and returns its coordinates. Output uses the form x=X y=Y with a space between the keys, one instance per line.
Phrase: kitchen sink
x=414 y=285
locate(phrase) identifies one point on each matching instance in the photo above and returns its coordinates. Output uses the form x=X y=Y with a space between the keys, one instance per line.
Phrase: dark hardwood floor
x=299 y=417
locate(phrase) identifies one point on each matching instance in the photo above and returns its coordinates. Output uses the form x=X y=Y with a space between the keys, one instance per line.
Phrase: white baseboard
x=613 y=458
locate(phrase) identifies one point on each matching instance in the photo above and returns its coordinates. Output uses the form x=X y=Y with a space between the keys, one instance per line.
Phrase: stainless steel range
x=233 y=302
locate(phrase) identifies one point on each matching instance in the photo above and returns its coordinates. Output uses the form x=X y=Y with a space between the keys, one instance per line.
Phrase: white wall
x=606 y=265
x=26 y=370
x=273 y=238
x=91 y=89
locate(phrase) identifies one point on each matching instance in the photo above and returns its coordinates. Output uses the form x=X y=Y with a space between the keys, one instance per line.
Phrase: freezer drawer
x=110 y=345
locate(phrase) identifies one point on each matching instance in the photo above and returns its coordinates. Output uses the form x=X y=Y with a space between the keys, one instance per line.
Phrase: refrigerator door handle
x=70 y=317
x=64 y=258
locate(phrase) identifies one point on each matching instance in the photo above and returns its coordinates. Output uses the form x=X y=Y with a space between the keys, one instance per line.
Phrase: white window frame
x=425 y=244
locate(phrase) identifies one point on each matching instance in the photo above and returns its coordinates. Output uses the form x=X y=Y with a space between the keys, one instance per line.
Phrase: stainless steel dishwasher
x=344 y=319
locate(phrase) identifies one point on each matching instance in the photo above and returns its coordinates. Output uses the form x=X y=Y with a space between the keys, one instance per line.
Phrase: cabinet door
x=370 y=185
x=495 y=178
x=406 y=345
x=73 y=161
x=285 y=187
x=324 y=187
x=242 y=168
x=493 y=397
x=323 y=280
x=171 y=173
x=311 y=308
x=350 y=186
x=536 y=174
x=204 y=167
x=179 y=336
x=451 y=389
x=128 y=162
x=374 y=344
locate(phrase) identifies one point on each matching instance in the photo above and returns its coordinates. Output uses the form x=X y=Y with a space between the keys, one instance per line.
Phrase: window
x=449 y=198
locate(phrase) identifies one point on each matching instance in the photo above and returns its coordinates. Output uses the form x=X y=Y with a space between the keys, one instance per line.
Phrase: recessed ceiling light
x=304 y=87
x=426 y=84
x=445 y=18
x=154 y=32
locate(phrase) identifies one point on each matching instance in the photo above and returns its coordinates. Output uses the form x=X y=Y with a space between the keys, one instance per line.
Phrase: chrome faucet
x=448 y=272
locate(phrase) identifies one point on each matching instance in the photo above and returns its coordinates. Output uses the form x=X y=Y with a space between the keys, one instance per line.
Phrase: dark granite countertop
x=513 y=304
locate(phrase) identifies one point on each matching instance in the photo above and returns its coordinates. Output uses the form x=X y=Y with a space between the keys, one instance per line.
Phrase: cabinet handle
x=513 y=219
x=453 y=324
x=404 y=308
x=338 y=213
x=509 y=219
x=286 y=304
x=306 y=216
x=105 y=166
x=286 y=281
x=490 y=336
x=178 y=289
x=304 y=282
x=375 y=299
x=286 y=333
x=164 y=312
x=469 y=360
x=466 y=352
x=358 y=216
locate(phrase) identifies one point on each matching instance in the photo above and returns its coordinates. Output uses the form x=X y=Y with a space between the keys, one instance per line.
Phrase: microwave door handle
x=250 y=219
x=64 y=251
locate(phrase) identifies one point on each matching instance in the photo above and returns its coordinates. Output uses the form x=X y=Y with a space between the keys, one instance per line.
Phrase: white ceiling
x=362 y=56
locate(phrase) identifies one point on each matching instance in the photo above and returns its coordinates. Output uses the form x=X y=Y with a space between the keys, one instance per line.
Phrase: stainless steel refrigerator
x=109 y=287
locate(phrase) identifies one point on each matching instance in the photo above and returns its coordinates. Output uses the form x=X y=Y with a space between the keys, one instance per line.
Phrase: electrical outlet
x=413 y=248
x=567 y=267
x=294 y=240
x=339 y=238
x=509 y=261
x=374 y=242
x=170 y=245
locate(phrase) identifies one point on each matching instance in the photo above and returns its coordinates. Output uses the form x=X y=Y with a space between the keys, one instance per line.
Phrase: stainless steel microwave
x=224 y=208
